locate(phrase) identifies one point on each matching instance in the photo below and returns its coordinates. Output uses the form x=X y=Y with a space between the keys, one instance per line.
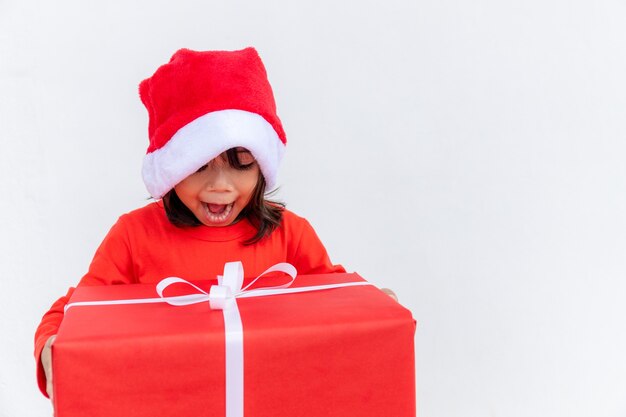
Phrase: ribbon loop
x=233 y=276
x=279 y=267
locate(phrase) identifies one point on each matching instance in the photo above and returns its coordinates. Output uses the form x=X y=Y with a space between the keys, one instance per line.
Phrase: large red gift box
x=339 y=352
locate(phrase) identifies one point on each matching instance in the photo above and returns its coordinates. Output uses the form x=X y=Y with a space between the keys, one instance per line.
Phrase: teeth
x=217 y=218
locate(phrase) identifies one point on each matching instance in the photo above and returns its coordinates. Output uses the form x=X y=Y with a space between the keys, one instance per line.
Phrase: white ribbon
x=223 y=296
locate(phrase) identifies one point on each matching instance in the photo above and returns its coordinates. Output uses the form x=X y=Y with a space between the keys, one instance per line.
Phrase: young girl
x=215 y=146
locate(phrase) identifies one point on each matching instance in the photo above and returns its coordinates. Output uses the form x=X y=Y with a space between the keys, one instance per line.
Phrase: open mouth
x=217 y=213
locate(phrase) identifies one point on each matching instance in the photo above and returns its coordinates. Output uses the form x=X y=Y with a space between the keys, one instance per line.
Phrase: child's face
x=218 y=191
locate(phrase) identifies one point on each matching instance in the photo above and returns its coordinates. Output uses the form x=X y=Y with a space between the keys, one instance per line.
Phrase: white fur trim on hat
x=201 y=140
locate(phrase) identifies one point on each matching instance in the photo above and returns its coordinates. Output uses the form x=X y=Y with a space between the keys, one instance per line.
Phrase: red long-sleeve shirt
x=144 y=247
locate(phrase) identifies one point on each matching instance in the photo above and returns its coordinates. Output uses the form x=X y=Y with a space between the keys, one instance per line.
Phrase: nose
x=217 y=178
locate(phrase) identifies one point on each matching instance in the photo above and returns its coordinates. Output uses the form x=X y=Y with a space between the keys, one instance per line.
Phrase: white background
x=469 y=155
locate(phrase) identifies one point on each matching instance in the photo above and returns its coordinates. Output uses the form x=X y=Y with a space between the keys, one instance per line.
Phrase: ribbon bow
x=228 y=286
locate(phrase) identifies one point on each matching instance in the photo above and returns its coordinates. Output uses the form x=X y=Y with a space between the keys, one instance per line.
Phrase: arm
x=112 y=264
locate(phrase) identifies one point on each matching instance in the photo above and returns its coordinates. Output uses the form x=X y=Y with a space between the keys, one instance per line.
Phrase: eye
x=239 y=158
x=244 y=157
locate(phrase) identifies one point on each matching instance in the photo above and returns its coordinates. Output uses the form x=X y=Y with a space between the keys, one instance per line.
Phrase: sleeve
x=309 y=255
x=111 y=264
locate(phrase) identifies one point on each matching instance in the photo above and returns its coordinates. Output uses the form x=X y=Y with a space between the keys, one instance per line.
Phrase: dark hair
x=265 y=215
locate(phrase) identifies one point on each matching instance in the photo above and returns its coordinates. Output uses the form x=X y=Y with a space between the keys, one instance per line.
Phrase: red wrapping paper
x=339 y=352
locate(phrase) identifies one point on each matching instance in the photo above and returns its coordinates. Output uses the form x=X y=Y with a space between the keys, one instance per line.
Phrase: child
x=215 y=146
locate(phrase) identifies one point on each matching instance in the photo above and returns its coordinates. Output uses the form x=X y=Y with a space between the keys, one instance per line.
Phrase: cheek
x=185 y=190
x=180 y=189
x=249 y=181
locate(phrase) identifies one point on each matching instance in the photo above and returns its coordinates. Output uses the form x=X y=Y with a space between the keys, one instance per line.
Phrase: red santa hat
x=201 y=104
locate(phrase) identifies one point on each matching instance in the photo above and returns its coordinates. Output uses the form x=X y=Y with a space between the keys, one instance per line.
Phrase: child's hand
x=46 y=361
x=390 y=293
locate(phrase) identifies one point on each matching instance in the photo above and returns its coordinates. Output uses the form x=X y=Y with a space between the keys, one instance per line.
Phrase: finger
x=390 y=293
x=49 y=389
